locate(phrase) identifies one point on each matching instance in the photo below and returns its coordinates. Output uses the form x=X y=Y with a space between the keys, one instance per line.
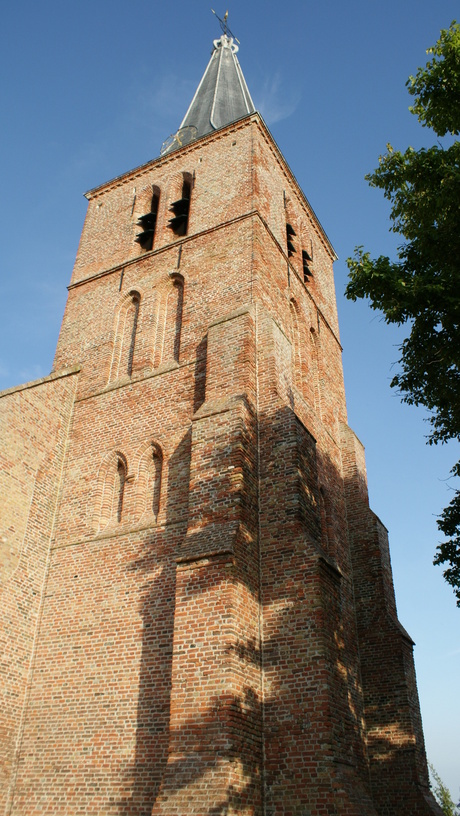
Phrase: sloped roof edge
x=198 y=143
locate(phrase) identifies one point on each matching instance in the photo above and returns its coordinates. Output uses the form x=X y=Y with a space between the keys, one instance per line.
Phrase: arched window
x=148 y=222
x=149 y=482
x=291 y=234
x=307 y=259
x=306 y=253
x=181 y=208
x=315 y=385
x=111 y=489
x=324 y=519
x=173 y=322
x=125 y=336
x=327 y=527
x=290 y=239
x=119 y=491
x=296 y=350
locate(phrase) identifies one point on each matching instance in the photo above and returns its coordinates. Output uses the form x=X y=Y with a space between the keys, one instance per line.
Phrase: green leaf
x=420 y=288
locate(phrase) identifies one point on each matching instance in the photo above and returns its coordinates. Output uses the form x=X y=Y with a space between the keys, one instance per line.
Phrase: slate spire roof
x=221 y=97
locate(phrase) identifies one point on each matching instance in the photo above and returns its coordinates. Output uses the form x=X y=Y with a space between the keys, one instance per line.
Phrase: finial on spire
x=224 y=26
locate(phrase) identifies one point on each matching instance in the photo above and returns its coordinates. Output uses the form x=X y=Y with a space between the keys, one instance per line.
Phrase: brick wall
x=207 y=640
x=34 y=424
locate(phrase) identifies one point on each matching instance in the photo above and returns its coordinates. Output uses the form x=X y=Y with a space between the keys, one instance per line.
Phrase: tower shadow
x=156 y=562
x=302 y=738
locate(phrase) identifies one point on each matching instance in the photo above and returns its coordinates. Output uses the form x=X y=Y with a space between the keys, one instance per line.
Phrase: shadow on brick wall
x=332 y=723
x=156 y=562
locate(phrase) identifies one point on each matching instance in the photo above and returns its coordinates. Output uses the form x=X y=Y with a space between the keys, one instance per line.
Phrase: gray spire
x=221 y=97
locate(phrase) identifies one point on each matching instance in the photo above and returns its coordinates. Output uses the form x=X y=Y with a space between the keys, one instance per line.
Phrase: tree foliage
x=442 y=794
x=437 y=86
x=421 y=288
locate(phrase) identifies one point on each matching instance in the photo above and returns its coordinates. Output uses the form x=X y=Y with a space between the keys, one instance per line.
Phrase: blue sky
x=91 y=89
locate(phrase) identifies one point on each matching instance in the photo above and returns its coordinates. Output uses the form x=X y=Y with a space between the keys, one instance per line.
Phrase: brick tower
x=198 y=613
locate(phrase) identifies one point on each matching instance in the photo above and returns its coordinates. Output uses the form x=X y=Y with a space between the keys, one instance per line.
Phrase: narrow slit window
x=149 y=482
x=148 y=224
x=125 y=337
x=154 y=482
x=119 y=488
x=181 y=209
x=173 y=325
x=296 y=350
x=132 y=318
x=112 y=486
x=290 y=235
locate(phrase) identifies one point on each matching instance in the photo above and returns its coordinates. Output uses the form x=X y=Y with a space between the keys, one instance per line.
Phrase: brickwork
x=34 y=424
x=212 y=625
x=398 y=772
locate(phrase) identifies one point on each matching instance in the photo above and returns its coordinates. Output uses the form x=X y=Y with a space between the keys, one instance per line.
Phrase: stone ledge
x=55 y=375
x=246 y=309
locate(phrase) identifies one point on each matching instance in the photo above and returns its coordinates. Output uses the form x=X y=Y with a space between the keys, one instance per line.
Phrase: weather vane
x=224 y=26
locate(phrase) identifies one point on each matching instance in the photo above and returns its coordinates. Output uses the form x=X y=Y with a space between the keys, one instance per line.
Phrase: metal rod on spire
x=224 y=26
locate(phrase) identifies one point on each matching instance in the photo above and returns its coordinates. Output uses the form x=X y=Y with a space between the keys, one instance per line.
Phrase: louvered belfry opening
x=181 y=208
x=290 y=235
x=148 y=223
x=306 y=261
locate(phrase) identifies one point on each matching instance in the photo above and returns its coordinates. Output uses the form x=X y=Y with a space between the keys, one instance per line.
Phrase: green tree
x=421 y=288
x=442 y=794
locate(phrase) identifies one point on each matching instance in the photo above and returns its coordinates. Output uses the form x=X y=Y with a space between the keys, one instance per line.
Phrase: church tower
x=198 y=614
